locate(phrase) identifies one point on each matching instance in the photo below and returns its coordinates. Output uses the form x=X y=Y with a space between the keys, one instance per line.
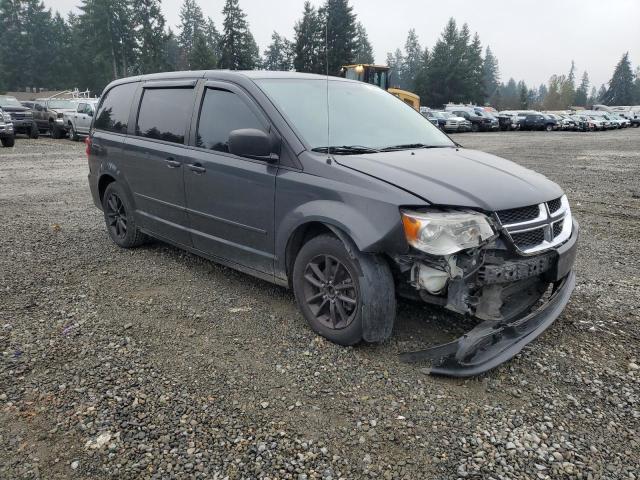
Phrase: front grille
x=531 y=238
x=517 y=215
x=557 y=228
x=554 y=205
x=17 y=116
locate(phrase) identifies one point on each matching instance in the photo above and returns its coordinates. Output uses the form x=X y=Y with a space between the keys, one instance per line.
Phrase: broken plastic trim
x=491 y=343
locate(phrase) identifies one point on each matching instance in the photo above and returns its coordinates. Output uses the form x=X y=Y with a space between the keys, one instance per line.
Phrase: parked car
x=584 y=123
x=599 y=123
x=78 y=122
x=479 y=123
x=455 y=123
x=430 y=115
x=48 y=114
x=537 y=121
x=508 y=121
x=493 y=124
x=21 y=116
x=238 y=167
x=7 y=134
x=566 y=122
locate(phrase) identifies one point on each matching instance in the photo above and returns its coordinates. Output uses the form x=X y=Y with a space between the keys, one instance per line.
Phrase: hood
x=457 y=177
x=12 y=108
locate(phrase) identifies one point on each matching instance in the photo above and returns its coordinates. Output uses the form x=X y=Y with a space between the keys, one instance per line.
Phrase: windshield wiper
x=408 y=146
x=346 y=149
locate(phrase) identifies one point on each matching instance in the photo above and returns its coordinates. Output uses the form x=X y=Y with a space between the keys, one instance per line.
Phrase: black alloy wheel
x=116 y=216
x=330 y=292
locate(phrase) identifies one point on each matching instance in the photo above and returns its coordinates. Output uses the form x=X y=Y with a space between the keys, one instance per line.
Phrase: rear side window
x=113 y=115
x=222 y=112
x=164 y=113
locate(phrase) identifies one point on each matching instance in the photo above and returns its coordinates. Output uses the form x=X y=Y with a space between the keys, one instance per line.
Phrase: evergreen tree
x=413 y=54
x=201 y=56
x=447 y=73
x=474 y=66
x=568 y=88
x=192 y=24
x=421 y=85
x=395 y=62
x=171 y=51
x=213 y=38
x=364 y=50
x=621 y=88
x=582 y=91
x=279 y=54
x=636 y=87
x=341 y=34
x=239 y=50
x=309 y=42
x=490 y=74
x=553 y=100
x=542 y=95
x=524 y=95
x=107 y=33
x=151 y=36
x=602 y=94
x=61 y=71
x=593 y=96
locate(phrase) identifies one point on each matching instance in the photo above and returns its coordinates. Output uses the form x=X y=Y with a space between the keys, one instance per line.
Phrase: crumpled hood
x=457 y=177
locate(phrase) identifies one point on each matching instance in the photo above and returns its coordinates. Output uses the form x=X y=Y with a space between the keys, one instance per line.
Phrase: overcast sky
x=532 y=39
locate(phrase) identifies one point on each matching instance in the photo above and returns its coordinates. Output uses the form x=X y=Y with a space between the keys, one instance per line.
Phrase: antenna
x=326 y=56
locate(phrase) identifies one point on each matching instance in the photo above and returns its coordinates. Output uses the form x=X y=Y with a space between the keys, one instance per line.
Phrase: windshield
x=6 y=101
x=360 y=114
x=61 y=104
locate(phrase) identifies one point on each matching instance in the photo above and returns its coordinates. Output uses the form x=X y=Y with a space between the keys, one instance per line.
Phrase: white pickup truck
x=78 y=122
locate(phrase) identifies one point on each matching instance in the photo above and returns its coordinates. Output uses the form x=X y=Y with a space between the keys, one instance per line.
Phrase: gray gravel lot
x=153 y=363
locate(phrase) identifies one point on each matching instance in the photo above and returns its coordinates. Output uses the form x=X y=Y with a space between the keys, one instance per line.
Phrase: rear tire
x=474 y=127
x=8 y=142
x=119 y=218
x=548 y=128
x=345 y=296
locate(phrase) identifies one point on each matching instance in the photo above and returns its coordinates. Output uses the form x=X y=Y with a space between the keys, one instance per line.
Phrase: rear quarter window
x=115 y=106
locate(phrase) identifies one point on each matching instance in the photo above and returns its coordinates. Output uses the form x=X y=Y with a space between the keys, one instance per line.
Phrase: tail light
x=87 y=142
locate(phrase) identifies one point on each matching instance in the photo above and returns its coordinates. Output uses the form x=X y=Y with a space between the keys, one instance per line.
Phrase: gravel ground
x=153 y=363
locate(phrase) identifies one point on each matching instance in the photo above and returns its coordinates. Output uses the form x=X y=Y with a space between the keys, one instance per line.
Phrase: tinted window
x=81 y=107
x=113 y=114
x=222 y=112
x=164 y=113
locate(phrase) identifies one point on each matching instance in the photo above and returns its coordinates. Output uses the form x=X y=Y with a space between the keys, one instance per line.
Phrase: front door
x=154 y=160
x=230 y=199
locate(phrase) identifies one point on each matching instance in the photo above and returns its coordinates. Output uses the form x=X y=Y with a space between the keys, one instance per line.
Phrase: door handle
x=172 y=163
x=198 y=168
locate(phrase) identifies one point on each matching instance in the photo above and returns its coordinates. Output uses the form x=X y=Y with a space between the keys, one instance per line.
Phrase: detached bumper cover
x=492 y=343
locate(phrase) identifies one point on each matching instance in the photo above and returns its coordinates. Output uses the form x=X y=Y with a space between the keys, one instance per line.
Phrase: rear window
x=113 y=114
x=164 y=113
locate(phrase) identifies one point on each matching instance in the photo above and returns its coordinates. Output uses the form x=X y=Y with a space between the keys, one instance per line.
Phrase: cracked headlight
x=445 y=232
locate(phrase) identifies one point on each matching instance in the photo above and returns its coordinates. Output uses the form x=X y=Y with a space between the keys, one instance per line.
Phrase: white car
x=78 y=122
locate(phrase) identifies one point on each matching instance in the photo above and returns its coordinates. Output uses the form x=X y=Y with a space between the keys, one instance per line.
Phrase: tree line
x=111 y=39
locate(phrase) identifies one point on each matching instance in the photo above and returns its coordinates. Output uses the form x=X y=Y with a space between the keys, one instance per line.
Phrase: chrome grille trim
x=545 y=221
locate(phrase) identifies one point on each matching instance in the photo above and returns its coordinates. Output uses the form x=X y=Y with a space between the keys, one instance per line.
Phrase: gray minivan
x=340 y=191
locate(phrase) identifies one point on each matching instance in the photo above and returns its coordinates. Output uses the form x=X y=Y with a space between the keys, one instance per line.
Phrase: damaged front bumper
x=494 y=341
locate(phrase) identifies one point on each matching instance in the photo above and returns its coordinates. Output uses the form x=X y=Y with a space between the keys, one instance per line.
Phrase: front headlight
x=6 y=117
x=445 y=232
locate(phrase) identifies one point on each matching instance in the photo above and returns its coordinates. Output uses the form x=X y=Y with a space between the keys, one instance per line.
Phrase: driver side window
x=223 y=112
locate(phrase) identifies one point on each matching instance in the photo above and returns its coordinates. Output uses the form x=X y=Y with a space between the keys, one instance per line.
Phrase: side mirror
x=251 y=143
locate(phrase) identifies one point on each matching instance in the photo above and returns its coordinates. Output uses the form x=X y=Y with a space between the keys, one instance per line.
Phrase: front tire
x=33 y=131
x=345 y=296
x=54 y=131
x=119 y=218
x=73 y=135
x=8 y=142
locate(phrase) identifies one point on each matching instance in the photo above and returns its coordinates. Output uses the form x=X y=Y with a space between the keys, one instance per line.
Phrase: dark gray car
x=339 y=190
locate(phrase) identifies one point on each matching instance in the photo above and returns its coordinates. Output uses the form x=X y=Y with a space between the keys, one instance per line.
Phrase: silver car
x=79 y=121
